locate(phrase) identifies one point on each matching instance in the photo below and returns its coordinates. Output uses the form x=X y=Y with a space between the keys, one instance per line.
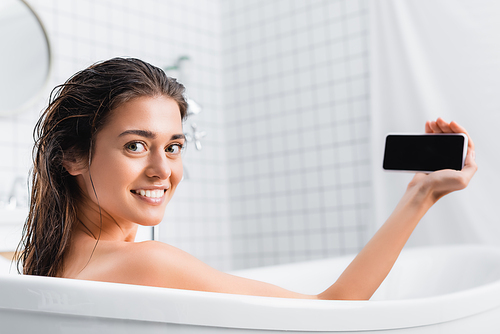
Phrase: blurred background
x=295 y=98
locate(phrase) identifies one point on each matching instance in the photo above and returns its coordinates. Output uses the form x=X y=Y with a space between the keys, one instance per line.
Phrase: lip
x=153 y=187
x=151 y=200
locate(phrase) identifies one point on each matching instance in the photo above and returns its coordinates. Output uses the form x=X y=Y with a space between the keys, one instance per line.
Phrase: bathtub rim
x=59 y=296
x=377 y=315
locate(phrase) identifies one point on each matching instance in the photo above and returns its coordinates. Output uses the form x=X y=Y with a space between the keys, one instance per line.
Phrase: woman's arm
x=368 y=270
x=370 y=267
x=361 y=278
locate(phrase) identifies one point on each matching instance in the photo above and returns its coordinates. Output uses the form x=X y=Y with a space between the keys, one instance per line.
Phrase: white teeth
x=150 y=193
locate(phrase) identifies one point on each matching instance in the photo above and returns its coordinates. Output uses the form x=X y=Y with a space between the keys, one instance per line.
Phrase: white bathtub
x=453 y=289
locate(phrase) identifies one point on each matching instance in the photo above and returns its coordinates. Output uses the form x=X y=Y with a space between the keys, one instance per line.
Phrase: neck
x=100 y=225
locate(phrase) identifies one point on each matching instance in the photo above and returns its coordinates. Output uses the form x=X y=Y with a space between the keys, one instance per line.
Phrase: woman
x=107 y=159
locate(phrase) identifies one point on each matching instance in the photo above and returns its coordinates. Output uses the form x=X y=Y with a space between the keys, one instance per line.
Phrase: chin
x=152 y=222
x=149 y=222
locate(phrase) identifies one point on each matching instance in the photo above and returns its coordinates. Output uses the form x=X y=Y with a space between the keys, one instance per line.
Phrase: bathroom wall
x=284 y=170
x=296 y=106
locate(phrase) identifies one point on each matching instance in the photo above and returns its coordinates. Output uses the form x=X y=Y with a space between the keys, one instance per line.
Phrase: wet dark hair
x=66 y=132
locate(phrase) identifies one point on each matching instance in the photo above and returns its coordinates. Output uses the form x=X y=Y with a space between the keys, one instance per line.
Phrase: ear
x=74 y=167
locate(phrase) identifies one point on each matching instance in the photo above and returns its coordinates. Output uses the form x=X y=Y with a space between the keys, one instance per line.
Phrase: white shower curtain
x=432 y=58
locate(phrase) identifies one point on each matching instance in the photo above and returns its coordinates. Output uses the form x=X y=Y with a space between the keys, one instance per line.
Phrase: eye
x=174 y=149
x=135 y=147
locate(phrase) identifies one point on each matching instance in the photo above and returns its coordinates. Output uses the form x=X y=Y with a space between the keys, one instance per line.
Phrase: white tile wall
x=296 y=84
x=283 y=175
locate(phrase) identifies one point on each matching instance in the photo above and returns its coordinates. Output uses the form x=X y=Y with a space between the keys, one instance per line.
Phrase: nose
x=158 y=166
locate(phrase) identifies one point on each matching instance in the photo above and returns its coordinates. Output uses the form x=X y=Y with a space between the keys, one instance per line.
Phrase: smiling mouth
x=150 y=193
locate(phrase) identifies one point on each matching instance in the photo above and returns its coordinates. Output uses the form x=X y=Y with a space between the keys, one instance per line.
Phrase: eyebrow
x=149 y=134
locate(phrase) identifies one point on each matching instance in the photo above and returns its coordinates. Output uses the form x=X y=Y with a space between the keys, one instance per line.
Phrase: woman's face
x=136 y=164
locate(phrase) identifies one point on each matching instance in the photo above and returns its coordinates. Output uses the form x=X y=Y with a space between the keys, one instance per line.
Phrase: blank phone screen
x=426 y=153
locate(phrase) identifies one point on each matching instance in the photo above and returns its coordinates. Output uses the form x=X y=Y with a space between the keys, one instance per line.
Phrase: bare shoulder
x=154 y=255
x=152 y=251
x=158 y=264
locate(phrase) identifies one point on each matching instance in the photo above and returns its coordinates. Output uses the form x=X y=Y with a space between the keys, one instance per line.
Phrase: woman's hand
x=443 y=182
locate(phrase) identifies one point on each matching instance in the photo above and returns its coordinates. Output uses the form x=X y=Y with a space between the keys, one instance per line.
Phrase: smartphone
x=425 y=152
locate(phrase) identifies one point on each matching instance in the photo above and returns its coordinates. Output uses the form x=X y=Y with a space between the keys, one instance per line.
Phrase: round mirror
x=25 y=57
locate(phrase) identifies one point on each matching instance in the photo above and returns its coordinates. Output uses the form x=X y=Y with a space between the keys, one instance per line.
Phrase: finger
x=459 y=129
x=444 y=126
x=434 y=127
x=470 y=159
x=470 y=166
x=428 y=128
